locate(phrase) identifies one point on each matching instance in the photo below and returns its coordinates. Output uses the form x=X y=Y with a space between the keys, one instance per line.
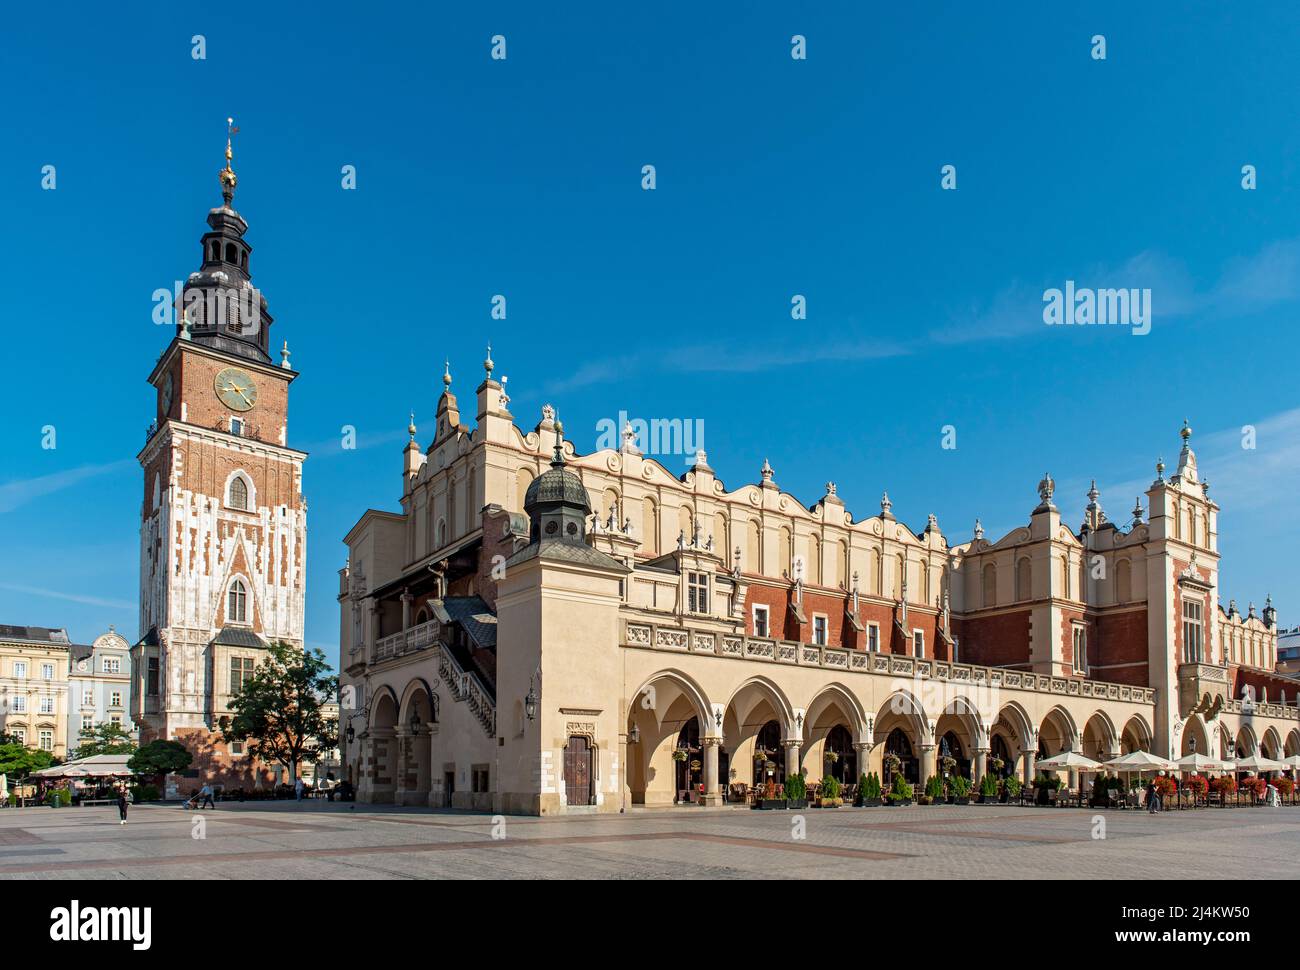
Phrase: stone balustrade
x=672 y=639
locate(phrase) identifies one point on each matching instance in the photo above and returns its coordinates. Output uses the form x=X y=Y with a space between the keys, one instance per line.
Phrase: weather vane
x=227 y=176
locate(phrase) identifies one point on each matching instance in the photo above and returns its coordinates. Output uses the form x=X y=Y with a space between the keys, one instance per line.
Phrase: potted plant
x=830 y=793
x=771 y=798
x=1011 y=788
x=988 y=789
x=959 y=787
x=900 y=792
x=796 y=791
x=1044 y=788
x=679 y=754
x=868 y=791
x=831 y=756
x=933 y=791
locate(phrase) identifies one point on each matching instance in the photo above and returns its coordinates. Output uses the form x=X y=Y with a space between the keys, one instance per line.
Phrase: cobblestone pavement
x=322 y=840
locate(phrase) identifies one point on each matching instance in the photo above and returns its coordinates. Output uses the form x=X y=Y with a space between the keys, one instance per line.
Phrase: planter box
x=990 y=799
x=868 y=803
x=770 y=804
x=961 y=799
x=796 y=803
x=902 y=804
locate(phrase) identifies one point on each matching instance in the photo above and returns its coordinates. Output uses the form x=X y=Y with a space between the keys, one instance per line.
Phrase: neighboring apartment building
x=99 y=686
x=1288 y=652
x=34 y=686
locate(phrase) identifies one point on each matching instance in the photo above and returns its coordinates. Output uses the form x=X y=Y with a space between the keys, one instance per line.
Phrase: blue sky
x=775 y=177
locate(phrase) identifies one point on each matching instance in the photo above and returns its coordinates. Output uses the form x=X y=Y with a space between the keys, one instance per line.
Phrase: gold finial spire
x=227 y=176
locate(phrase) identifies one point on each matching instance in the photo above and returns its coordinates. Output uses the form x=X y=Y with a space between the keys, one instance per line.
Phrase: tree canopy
x=18 y=760
x=160 y=758
x=105 y=738
x=279 y=711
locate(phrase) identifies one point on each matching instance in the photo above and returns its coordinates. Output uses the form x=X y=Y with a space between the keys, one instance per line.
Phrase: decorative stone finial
x=505 y=398
x=830 y=488
x=284 y=356
x=1046 y=489
x=979 y=529
x=1160 y=469
x=410 y=428
x=487 y=362
x=885 y=505
x=1137 y=510
x=931 y=523
x=701 y=459
x=766 y=471
x=558 y=460
x=548 y=413
x=446 y=374
x=1186 y=431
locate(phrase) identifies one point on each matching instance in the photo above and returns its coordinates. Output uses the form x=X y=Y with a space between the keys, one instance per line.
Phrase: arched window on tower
x=215 y=251
x=238 y=498
x=232 y=254
x=237 y=602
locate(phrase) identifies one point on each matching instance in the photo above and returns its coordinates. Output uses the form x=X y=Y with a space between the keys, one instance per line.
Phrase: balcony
x=1195 y=681
x=407 y=641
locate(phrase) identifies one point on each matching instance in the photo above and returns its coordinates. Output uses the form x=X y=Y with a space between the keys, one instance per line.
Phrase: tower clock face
x=236 y=389
x=168 y=390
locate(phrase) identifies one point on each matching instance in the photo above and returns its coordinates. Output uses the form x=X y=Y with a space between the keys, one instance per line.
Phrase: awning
x=1141 y=761
x=1068 y=761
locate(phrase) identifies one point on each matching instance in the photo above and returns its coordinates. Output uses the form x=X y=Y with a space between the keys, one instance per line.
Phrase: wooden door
x=577 y=771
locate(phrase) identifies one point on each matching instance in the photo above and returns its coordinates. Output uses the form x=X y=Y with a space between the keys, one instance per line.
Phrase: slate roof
x=35 y=634
x=562 y=551
x=237 y=636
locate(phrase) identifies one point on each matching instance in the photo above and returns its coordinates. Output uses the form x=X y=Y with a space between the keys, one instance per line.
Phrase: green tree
x=160 y=758
x=279 y=711
x=104 y=738
x=18 y=760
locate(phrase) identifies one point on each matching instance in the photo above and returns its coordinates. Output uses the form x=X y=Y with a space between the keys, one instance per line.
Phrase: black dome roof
x=557 y=485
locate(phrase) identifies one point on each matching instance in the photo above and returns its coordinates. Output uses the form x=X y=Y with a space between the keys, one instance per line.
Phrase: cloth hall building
x=539 y=631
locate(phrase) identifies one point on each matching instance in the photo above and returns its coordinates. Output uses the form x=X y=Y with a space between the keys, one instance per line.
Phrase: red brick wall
x=999 y=640
x=1239 y=677
x=1120 y=639
x=784 y=626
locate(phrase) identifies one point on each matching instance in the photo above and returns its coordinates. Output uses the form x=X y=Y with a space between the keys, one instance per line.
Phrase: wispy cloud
x=1267 y=278
x=1239 y=478
x=55 y=594
x=21 y=491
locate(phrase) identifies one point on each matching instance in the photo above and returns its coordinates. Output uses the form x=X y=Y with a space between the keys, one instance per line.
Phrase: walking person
x=121 y=805
x=297 y=789
x=206 y=793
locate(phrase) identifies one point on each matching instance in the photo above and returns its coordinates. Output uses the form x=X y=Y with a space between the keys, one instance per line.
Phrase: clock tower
x=223 y=519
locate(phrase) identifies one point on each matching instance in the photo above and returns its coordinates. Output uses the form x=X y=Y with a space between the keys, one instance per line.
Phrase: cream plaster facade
x=486 y=665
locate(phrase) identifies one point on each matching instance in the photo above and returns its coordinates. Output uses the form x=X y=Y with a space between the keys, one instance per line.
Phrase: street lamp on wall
x=634 y=736
x=415 y=721
x=530 y=703
x=352 y=734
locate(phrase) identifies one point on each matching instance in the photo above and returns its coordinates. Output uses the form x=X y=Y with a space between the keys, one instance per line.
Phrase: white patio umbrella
x=1067 y=761
x=1292 y=763
x=1141 y=761
x=1259 y=763
x=1201 y=762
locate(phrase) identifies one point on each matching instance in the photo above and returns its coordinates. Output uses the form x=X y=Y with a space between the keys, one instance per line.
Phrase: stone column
x=404 y=751
x=979 y=766
x=1027 y=754
x=407 y=599
x=927 y=765
x=791 y=757
x=862 y=755
x=712 y=790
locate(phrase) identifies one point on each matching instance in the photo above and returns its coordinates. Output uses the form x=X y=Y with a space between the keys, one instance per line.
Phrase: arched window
x=990 y=585
x=814 y=561
x=1024 y=579
x=216 y=250
x=754 y=547
x=1123 y=581
x=237 y=602
x=783 y=551
x=442 y=533
x=650 y=526
x=238 y=494
x=232 y=254
x=523 y=478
